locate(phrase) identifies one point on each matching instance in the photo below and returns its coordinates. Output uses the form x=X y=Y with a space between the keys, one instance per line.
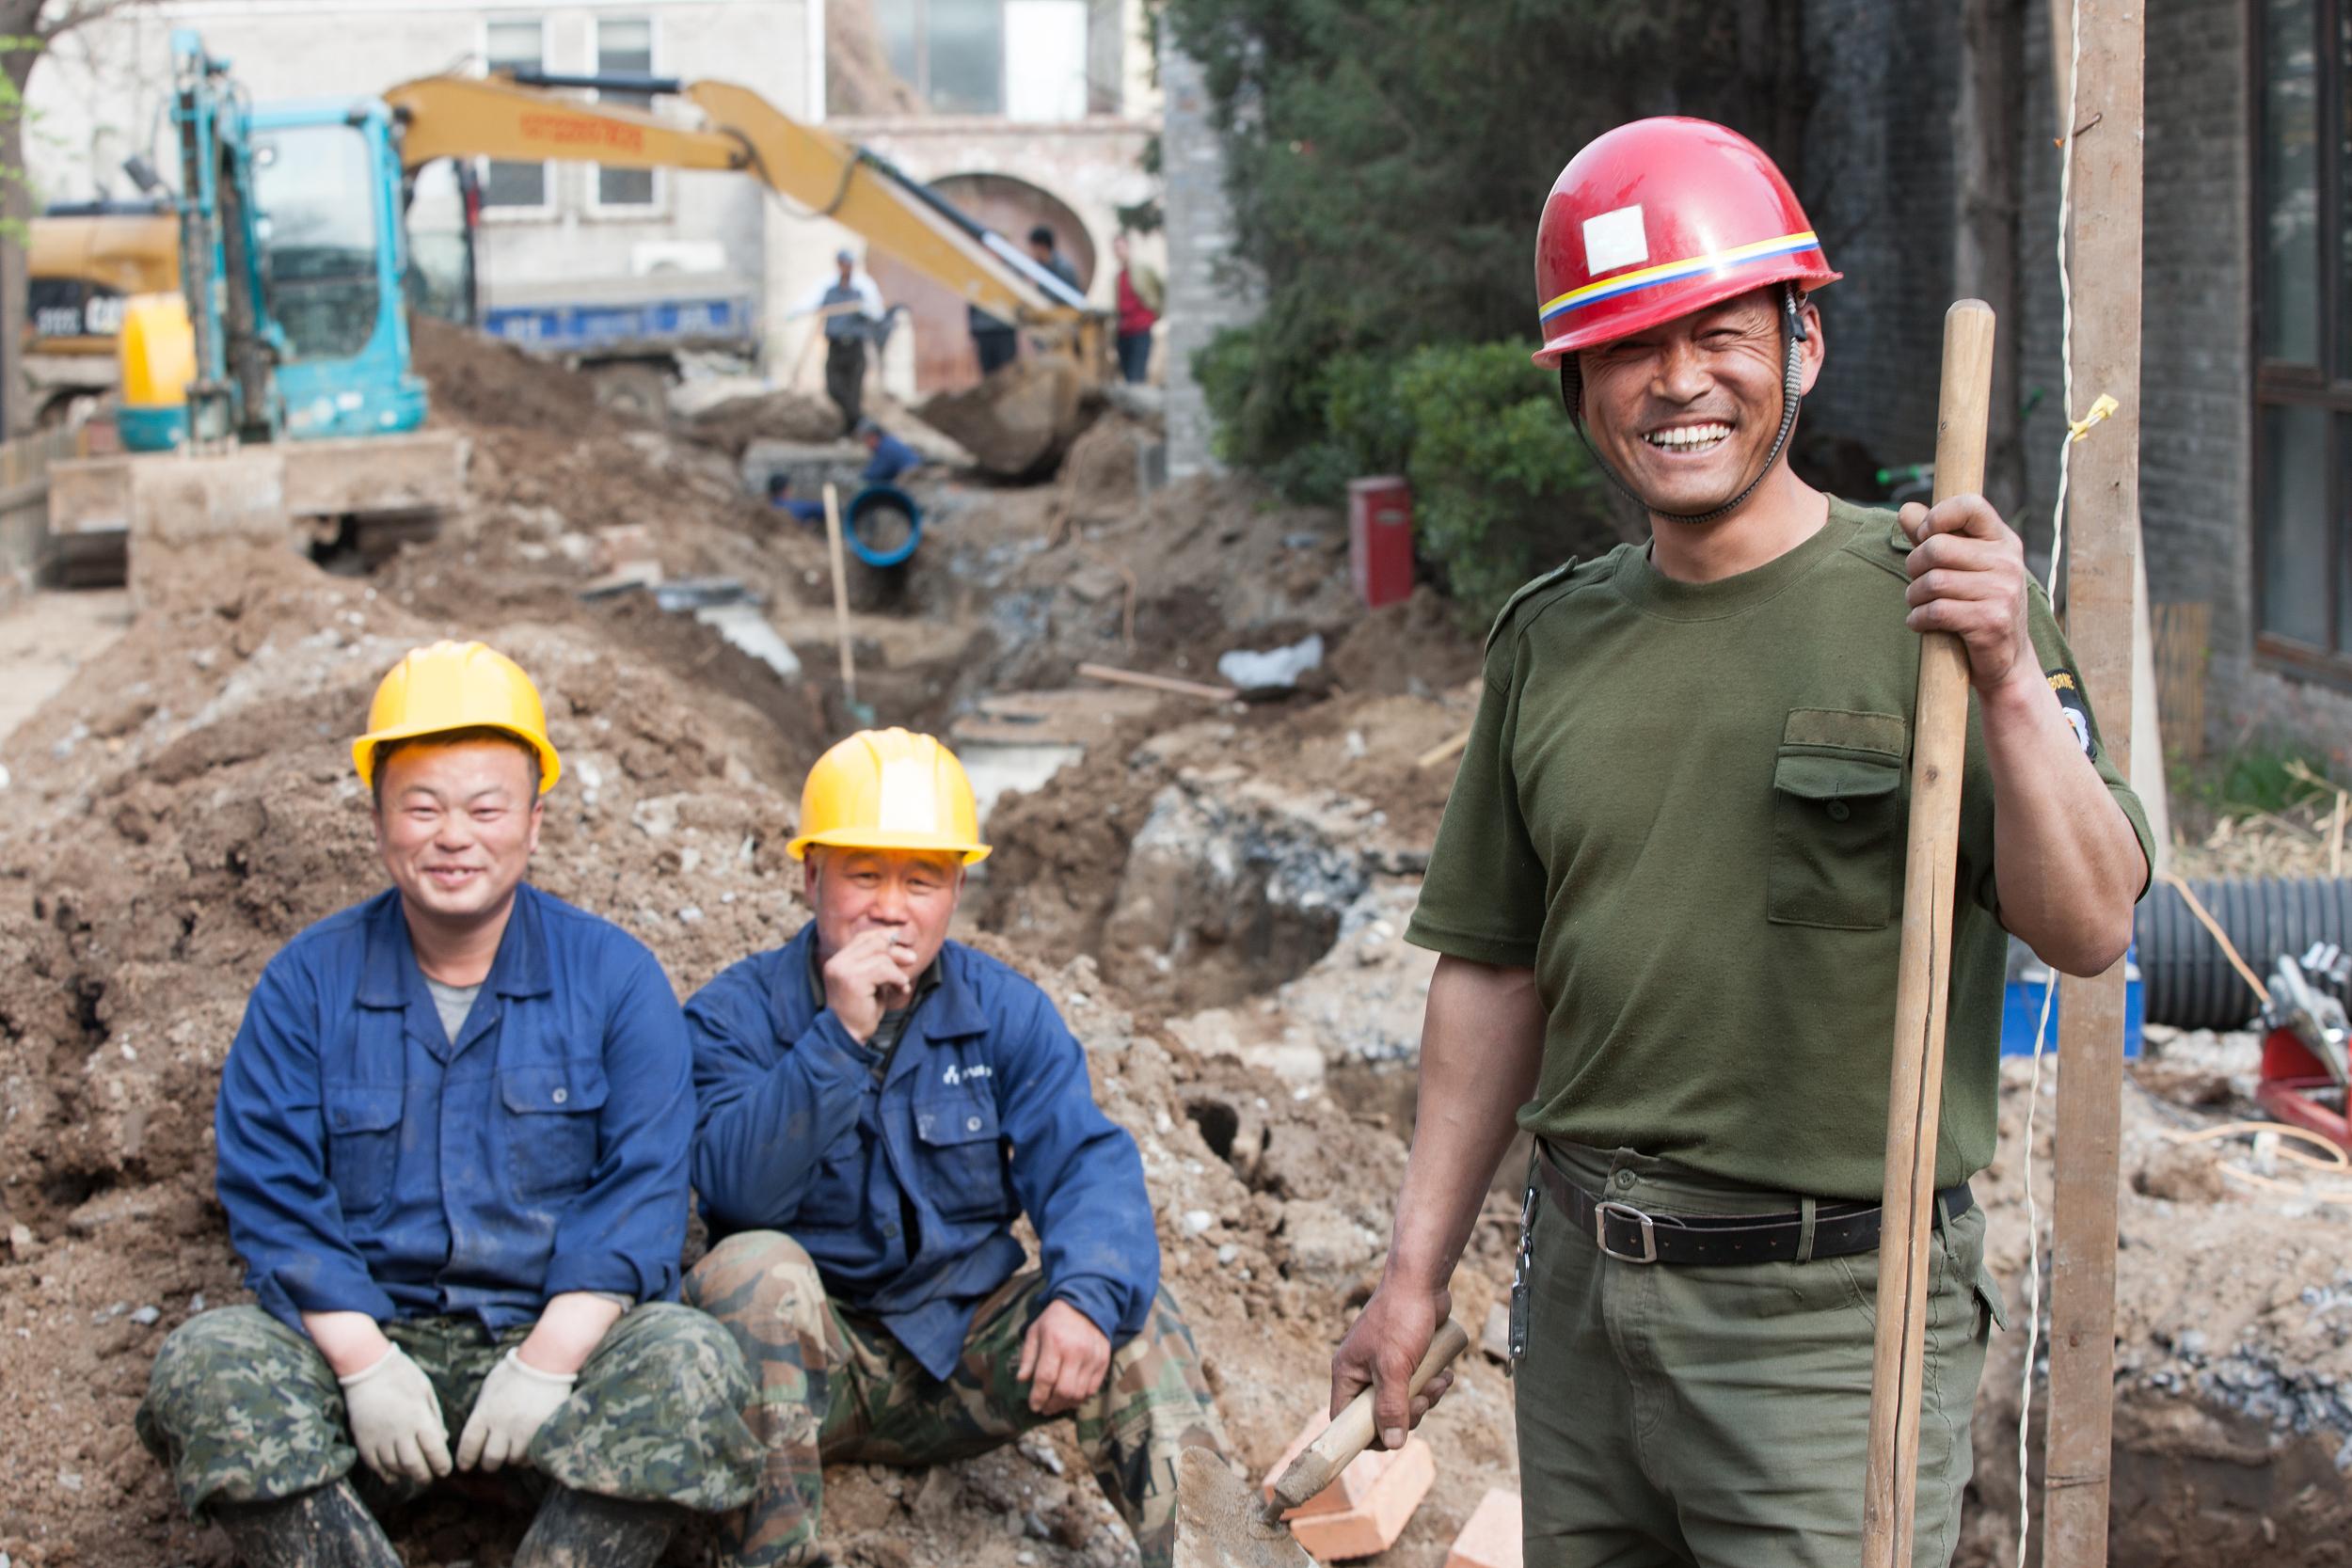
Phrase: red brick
x=1491 y=1538
x=1366 y=1509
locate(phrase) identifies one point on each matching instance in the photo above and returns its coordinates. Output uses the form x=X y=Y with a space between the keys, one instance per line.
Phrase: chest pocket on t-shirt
x=1838 y=817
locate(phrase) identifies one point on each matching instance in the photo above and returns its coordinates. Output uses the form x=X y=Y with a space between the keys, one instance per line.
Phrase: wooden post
x=840 y=598
x=1914 y=1100
x=2102 y=549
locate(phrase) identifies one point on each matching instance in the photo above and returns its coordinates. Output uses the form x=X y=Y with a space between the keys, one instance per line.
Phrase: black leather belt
x=1624 y=1232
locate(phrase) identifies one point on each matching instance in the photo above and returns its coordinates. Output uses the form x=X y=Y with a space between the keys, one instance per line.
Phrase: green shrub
x=2261 y=774
x=1387 y=161
x=1503 y=489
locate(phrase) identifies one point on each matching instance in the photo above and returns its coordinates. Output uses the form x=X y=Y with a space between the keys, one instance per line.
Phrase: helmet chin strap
x=1792 y=336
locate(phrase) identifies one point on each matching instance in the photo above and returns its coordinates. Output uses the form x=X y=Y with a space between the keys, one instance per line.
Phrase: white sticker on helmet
x=1614 y=240
x=908 y=797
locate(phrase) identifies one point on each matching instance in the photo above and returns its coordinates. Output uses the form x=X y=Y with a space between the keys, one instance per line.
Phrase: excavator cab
x=294 y=261
x=333 y=264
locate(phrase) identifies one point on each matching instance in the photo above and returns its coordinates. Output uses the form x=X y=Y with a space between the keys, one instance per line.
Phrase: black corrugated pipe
x=2188 y=983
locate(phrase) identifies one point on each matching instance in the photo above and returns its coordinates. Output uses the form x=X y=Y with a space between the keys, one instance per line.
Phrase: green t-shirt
x=1684 y=805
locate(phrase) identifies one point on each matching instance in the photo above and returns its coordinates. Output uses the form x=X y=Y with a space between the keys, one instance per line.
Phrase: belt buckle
x=1601 y=1211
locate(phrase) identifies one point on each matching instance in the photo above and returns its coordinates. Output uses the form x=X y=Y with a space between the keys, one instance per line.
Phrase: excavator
x=275 y=393
x=1014 y=425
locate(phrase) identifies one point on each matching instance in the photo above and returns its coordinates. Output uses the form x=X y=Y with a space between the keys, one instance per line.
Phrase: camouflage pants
x=245 y=1409
x=831 y=1386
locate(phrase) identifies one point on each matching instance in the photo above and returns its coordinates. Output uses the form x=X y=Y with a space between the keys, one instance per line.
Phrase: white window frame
x=659 y=206
x=553 y=205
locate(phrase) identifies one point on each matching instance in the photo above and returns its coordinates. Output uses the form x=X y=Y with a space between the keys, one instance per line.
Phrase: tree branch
x=80 y=13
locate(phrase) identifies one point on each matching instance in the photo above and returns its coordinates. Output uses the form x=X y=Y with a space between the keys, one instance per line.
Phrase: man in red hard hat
x=1666 y=902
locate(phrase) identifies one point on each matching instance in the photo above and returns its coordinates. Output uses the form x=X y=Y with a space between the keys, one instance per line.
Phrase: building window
x=625 y=47
x=1039 y=60
x=516 y=43
x=2302 y=335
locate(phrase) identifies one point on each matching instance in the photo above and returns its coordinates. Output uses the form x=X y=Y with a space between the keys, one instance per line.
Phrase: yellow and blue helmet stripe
x=1671 y=272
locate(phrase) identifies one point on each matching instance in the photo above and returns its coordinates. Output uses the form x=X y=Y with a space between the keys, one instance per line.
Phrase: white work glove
x=517 y=1401
x=396 y=1421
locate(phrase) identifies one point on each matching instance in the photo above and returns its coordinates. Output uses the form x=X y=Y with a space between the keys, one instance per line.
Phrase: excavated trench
x=1243 y=912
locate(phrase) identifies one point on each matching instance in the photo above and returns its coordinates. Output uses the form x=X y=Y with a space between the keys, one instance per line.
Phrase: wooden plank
x=1158 y=683
x=2102 y=548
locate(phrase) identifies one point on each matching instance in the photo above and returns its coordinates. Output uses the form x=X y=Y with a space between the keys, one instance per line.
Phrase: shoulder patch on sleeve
x=2070 y=696
x=1511 y=605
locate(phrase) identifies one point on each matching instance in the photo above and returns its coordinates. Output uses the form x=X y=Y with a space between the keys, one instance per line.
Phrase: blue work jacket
x=891 y=457
x=370 y=1165
x=985 y=1113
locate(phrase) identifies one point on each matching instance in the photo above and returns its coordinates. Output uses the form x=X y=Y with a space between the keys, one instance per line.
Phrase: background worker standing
x=931 y=1097
x=852 y=304
x=452 y=1135
x=1666 y=896
x=996 y=342
x=1141 y=295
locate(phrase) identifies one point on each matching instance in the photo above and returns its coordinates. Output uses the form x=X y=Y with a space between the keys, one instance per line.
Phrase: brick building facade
x=1880 y=177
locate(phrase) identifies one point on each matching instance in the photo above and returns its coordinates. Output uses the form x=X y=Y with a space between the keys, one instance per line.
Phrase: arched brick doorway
x=944 y=360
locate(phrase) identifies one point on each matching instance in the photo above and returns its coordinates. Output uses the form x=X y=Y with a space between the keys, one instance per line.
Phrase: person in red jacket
x=1140 y=296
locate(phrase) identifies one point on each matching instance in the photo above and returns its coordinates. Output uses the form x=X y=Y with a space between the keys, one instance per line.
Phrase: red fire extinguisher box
x=1380 y=538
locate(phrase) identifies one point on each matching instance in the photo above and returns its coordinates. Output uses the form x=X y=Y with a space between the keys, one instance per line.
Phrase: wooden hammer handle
x=1939 y=752
x=1350 y=1433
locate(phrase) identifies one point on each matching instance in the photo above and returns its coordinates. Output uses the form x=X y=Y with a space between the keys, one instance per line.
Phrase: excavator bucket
x=1018 y=423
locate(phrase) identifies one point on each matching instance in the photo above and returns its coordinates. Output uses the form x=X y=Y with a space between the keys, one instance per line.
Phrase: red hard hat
x=1658 y=218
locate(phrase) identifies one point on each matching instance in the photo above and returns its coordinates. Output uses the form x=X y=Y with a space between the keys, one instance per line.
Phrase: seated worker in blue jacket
x=452 y=1138
x=878 y=1106
x=889 y=459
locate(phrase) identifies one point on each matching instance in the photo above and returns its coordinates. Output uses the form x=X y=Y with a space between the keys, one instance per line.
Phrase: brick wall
x=1876 y=181
x=1878 y=178
x=1207 y=290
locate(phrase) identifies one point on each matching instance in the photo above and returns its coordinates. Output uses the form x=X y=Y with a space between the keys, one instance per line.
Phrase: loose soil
x=1214 y=894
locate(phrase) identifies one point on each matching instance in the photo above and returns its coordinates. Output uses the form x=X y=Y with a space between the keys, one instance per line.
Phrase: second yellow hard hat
x=889 y=789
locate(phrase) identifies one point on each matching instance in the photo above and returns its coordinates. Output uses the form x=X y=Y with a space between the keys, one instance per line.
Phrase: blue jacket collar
x=520 y=968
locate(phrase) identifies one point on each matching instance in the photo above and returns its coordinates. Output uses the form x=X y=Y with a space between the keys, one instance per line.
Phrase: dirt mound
x=2233 y=1345
x=1419 y=646
x=476 y=381
x=1102 y=475
x=187 y=809
x=733 y=425
x=1018 y=423
x=178 y=816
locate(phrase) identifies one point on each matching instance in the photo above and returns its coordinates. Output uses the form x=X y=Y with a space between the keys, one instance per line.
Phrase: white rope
x=2033 y=1275
x=2049 y=992
x=2066 y=295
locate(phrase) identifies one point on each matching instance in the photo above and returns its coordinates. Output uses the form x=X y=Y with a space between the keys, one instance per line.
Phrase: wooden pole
x=1923 y=984
x=2102 y=550
x=840 y=596
x=1117 y=676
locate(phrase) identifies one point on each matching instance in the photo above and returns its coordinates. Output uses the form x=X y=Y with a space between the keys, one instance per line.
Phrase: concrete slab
x=745 y=626
x=44 y=637
x=996 y=769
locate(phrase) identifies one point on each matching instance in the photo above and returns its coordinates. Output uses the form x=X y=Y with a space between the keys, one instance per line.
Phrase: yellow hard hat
x=456 y=685
x=889 y=789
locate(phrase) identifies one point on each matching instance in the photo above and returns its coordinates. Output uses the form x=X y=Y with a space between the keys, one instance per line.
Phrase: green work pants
x=1719 y=1416
x=831 y=1385
x=245 y=1410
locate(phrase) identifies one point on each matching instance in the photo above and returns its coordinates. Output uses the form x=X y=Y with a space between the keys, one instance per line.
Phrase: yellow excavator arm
x=529 y=121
